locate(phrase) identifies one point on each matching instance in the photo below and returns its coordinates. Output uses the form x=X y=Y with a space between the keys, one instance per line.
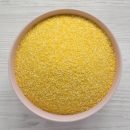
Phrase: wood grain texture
x=15 y=14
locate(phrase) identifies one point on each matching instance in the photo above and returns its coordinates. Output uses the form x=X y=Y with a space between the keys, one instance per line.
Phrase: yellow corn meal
x=65 y=64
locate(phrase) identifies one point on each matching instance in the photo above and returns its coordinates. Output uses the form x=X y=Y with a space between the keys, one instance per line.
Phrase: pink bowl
x=51 y=116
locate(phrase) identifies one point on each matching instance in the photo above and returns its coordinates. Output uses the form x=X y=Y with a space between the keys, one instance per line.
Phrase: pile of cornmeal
x=65 y=64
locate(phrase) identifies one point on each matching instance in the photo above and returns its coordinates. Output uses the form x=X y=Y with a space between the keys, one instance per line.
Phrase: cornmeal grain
x=65 y=64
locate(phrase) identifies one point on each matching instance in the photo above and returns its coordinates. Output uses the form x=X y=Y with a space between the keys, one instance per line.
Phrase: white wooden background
x=15 y=14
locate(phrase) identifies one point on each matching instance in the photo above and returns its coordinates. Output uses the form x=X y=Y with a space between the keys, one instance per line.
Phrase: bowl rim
x=45 y=114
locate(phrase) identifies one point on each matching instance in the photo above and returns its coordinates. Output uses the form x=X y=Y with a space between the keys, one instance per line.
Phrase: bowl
x=56 y=117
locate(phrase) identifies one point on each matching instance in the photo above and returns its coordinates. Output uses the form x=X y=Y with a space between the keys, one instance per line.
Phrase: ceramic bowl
x=51 y=116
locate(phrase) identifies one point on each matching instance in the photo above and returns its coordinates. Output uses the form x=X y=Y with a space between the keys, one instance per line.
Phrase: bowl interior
x=50 y=116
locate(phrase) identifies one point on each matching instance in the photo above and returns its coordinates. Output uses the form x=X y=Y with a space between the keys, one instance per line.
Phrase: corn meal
x=65 y=64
